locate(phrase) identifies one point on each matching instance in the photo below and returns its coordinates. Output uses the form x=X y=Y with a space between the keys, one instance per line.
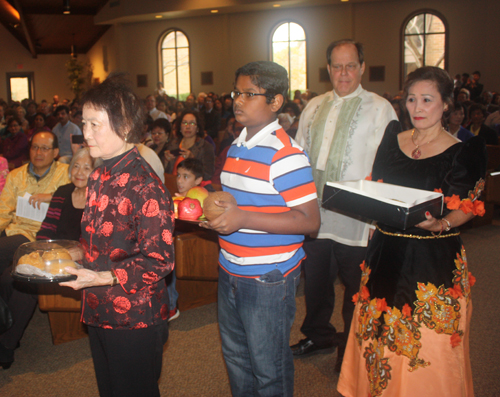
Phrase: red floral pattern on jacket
x=128 y=214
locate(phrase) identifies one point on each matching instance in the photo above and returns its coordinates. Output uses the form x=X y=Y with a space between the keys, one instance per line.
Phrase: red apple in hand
x=190 y=209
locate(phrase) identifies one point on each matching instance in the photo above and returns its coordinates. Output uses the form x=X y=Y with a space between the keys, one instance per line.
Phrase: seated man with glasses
x=40 y=177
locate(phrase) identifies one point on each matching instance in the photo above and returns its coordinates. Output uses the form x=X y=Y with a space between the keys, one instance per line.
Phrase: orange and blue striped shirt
x=269 y=173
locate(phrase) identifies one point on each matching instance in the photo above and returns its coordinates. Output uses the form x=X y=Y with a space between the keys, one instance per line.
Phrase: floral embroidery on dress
x=379 y=370
x=401 y=335
x=437 y=308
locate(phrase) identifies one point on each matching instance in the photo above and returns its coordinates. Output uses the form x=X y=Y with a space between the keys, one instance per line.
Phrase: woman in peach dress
x=410 y=331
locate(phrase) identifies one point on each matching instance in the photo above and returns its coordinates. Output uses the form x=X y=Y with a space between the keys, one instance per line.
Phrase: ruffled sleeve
x=469 y=167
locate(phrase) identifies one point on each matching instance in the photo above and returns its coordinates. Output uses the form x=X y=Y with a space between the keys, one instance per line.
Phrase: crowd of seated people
x=476 y=108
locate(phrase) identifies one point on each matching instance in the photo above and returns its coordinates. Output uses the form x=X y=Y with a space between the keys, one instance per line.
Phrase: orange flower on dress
x=453 y=202
x=456 y=291
x=406 y=310
x=380 y=180
x=455 y=339
x=439 y=191
x=472 y=280
x=478 y=208
x=363 y=266
x=466 y=206
x=355 y=298
x=381 y=305
x=365 y=293
x=369 y=177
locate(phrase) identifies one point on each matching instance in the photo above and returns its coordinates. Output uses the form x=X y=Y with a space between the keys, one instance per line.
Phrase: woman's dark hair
x=164 y=124
x=199 y=122
x=193 y=165
x=16 y=119
x=40 y=114
x=293 y=107
x=478 y=106
x=116 y=97
x=457 y=106
x=266 y=75
x=443 y=81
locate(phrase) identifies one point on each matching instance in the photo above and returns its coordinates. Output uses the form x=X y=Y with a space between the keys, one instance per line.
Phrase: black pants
x=128 y=362
x=325 y=260
x=20 y=297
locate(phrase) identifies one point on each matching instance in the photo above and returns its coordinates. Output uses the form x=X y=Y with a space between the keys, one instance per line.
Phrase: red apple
x=190 y=209
x=199 y=193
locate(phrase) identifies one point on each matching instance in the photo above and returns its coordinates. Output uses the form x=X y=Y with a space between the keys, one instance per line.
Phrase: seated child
x=261 y=237
x=190 y=174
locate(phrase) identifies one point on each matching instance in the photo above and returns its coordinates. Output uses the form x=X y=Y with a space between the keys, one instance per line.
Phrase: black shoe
x=306 y=348
x=6 y=357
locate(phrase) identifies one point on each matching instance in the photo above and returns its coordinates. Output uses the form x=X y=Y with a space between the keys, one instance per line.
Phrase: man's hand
x=36 y=200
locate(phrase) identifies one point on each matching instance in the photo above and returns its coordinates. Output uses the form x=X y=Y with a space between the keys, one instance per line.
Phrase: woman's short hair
x=164 y=124
x=41 y=115
x=84 y=151
x=116 y=97
x=478 y=106
x=199 y=121
x=443 y=81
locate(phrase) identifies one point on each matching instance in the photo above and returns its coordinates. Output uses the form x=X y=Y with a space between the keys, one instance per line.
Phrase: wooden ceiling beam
x=27 y=35
x=41 y=10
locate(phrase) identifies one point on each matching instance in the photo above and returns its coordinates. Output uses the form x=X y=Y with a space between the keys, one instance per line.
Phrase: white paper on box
x=26 y=210
x=391 y=194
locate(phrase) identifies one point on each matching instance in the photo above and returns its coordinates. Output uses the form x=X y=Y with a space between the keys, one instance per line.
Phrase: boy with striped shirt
x=261 y=238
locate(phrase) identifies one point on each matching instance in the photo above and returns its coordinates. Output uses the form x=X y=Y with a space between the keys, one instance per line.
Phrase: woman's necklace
x=416 y=153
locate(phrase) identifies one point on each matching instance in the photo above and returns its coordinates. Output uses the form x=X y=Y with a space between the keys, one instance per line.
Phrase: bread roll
x=56 y=254
x=56 y=267
x=32 y=259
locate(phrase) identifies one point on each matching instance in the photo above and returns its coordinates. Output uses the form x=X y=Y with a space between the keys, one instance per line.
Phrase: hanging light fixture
x=66 y=7
x=73 y=48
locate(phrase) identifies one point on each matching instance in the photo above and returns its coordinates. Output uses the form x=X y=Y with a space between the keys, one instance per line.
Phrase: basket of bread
x=44 y=261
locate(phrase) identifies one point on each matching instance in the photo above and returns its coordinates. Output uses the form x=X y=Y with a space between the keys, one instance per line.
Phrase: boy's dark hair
x=193 y=165
x=266 y=75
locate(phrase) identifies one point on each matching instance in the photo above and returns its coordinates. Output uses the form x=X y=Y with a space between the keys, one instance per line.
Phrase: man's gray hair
x=358 y=45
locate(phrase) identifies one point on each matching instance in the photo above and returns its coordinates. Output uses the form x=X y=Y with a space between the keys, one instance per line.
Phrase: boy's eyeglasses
x=186 y=123
x=246 y=95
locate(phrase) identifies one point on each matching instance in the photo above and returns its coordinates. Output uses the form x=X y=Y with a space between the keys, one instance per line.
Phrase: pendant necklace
x=416 y=153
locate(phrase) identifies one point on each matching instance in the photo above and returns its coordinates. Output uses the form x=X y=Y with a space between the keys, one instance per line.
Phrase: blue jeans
x=173 y=295
x=255 y=319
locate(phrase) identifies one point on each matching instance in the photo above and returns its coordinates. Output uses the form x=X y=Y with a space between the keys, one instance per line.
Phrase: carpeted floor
x=193 y=363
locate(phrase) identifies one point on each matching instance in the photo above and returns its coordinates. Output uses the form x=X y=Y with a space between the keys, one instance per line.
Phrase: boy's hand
x=228 y=222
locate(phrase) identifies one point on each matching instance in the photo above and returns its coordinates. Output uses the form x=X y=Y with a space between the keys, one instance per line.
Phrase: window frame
x=402 y=36
x=271 y=54
x=31 y=83
x=162 y=37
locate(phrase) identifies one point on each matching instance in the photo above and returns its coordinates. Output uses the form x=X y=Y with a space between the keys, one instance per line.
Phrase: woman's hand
x=431 y=224
x=87 y=278
x=229 y=221
x=186 y=153
x=168 y=156
x=36 y=200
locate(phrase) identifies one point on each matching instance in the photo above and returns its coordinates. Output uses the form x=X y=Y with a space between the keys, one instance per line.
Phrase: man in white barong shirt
x=341 y=131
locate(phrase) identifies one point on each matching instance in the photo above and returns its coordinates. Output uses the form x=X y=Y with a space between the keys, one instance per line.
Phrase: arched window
x=289 y=50
x=424 y=41
x=174 y=64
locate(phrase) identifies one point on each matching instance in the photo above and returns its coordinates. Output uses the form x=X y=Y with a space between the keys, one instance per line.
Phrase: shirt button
x=237 y=159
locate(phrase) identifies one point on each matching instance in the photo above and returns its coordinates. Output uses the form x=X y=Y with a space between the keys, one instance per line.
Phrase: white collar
x=254 y=141
x=353 y=94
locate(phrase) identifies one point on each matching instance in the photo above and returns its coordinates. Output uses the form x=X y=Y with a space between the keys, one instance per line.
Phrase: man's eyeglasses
x=43 y=149
x=247 y=95
x=186 y=123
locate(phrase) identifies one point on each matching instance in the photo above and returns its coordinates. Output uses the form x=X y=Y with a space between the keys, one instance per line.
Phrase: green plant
x=78 y=73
